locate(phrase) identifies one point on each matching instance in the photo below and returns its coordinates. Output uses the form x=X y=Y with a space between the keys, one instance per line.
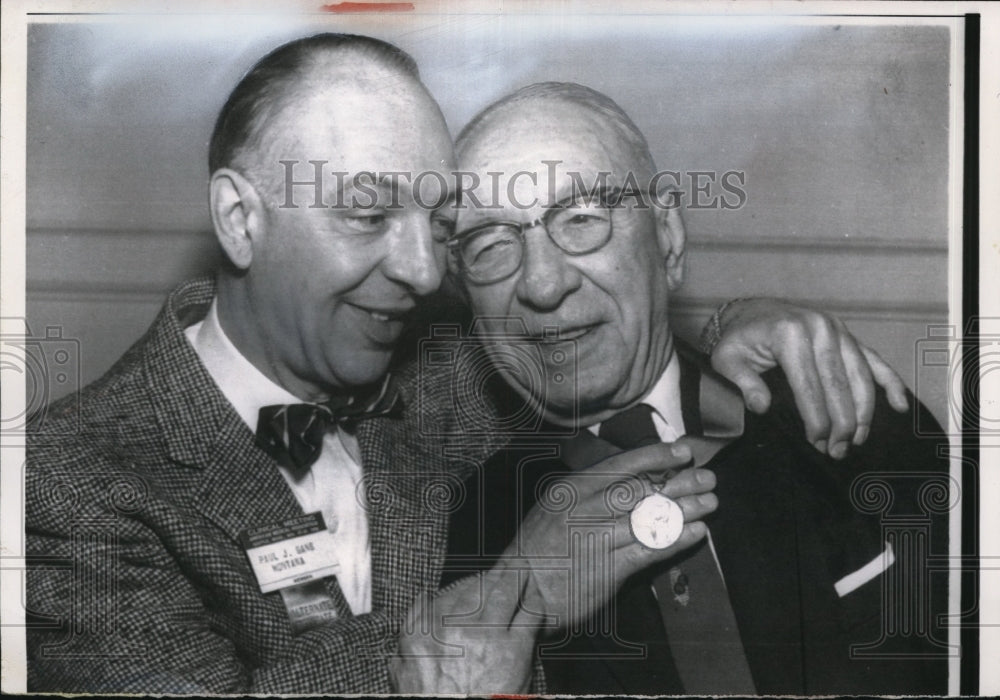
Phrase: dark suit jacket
x=791 y=522
x=137 y=489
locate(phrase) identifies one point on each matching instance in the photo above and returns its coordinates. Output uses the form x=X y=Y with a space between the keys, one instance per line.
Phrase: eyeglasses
x=494 y=251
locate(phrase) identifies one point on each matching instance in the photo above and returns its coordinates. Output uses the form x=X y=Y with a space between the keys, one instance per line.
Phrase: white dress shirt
x=330 y=486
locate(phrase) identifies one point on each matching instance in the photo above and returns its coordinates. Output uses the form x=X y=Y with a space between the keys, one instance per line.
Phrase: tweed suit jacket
x=137 y=489
x=791 y=523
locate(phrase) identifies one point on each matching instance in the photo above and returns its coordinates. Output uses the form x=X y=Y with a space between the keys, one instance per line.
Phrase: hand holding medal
x=657 y=521
x=593 y=528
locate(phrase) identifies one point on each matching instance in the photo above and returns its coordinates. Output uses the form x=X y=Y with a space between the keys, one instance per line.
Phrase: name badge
x=291 y=553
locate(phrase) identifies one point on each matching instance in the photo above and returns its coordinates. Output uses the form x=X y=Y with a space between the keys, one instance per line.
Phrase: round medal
x=656 y=521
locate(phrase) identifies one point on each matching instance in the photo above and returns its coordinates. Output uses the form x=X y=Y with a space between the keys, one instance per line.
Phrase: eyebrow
x=488 y=215
x=352 y=181
x=387 y=185
x=574 y=195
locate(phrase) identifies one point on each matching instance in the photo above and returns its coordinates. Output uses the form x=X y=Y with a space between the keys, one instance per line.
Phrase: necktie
x=293 y=433
x=630 y=429
x=691 y=595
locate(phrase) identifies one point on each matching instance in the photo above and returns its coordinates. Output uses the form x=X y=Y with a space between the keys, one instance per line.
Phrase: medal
x=656 y=521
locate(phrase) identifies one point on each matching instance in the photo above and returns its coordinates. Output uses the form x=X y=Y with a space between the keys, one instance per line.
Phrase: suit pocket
x=867 y=573
x=862 y=593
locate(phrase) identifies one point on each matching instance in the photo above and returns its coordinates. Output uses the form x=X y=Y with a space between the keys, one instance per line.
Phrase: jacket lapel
x=754 y=531
x=408 y=505
x=241 y=487
x=756 y=536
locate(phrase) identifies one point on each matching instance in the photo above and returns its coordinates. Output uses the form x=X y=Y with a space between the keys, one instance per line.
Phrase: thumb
x=737 y=369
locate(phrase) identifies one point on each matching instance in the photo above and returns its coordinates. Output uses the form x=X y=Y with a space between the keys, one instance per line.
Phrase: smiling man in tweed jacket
x=155 y=490
x=138 y=523
x=166 y=501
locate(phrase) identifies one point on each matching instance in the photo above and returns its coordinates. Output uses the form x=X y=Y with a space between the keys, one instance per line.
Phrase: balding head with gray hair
x=248 y=124
x=597 y=104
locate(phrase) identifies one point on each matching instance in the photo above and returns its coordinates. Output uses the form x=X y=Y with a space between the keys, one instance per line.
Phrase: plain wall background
x=842 y=131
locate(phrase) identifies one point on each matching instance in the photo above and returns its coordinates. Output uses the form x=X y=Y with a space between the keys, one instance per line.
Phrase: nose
x=547 y=277
x=414 y=259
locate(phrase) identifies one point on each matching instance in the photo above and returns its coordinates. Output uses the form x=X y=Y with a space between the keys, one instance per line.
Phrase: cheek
x=289 y=263
x=640 y=291
x=337 y=268
x=311 y=260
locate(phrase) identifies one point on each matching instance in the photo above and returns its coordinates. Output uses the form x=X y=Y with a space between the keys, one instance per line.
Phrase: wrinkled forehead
x=543 y=144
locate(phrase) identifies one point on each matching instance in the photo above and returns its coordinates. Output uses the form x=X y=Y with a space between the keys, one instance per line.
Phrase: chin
x=363 y=373
x=598 y=387
x=561 y=404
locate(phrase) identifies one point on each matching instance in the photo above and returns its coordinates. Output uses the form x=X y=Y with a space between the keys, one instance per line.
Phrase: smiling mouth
x=574 y=333
x=385 y=315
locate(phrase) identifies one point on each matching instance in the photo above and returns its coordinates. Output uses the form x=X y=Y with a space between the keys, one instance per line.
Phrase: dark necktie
x=293 y=433
x=691 y=596
x=630 y=429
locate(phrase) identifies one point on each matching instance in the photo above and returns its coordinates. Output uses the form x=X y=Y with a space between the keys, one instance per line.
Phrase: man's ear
x=237 y=214
x=671 y=237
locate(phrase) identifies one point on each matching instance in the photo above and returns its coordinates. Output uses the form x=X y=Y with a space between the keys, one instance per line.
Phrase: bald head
x=584 y=103
x=266 y=108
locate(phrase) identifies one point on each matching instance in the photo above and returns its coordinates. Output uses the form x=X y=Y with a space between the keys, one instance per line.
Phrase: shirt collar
x=244 y=386
x=664 y=397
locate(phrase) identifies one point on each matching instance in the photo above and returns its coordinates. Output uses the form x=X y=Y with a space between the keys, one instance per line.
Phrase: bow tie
x=293 y=433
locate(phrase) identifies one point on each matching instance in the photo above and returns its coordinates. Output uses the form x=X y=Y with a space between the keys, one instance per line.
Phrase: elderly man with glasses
x=731 y=557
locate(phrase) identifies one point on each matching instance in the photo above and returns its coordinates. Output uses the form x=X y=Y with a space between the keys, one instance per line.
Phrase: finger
x=732 y=364
x=634 y=557
x=698 y=507
x=886 y=377
x=799 y=364
x=836 y=387
x=652 y=458
x=689 y=482
x=694 y=507
x=862 y=386
x=625 y=492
